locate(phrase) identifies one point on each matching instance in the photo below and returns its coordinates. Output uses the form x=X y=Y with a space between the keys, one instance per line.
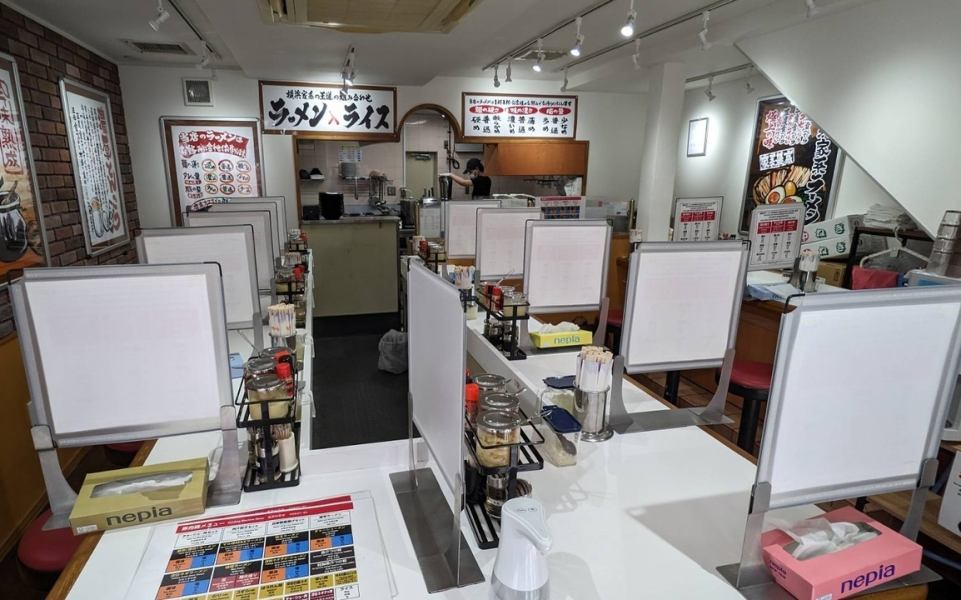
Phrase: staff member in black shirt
x=480 y=183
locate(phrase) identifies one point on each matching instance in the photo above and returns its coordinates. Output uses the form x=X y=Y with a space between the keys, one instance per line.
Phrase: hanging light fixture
x=747 y=83
x=813 y=8
x=539 y=65
x=702 y=35
x=637 y=55
x=497 y=82
x=510 y=61
x=564 y=85
x=204 y=56
x=709 y=92
x=628 y=29
x=578 y=40
x=161 y=18
x=347 y=73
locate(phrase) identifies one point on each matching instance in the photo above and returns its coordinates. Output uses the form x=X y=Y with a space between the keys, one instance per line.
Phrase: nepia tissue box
x=846 y=572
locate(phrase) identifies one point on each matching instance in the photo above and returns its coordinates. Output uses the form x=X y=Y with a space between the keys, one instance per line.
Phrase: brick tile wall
x=43 y=57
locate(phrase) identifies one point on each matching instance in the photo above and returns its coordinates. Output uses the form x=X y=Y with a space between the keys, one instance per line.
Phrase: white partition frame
x=690 y=261
x=279 y=201
x=887 y=386
x=227 y=242
x=279 y=236
x=484 y=256
x=450 y=208
x=43 y=293
x=534 y=262
x=263 y=238
x=438 y=357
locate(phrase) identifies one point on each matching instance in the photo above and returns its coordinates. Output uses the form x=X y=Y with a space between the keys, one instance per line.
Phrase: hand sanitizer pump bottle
x=520 y=571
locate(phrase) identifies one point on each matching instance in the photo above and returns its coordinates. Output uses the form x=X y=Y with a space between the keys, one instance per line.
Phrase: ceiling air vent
x=160 y=48
x=368 y=16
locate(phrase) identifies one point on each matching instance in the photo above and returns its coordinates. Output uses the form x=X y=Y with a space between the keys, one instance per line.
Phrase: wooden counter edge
x=78 y=561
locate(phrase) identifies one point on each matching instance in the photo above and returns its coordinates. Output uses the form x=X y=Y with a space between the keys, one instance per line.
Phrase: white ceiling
x=242 y=40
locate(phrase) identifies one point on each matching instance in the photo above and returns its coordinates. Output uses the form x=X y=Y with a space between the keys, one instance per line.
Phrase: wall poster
x=22 y=237
x=792 y=160
x=96 y=170
x=362 y=113
x=518 y=116
x=211 y=160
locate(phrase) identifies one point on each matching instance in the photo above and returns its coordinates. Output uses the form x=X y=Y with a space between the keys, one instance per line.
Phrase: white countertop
x=646 y=514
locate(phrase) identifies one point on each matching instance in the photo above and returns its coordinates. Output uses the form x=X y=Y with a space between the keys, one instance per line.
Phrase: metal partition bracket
x=59 y=493
x=225 y=488
x=715 y=408
x=600 y=337
x=258 y=321
x=912 y=520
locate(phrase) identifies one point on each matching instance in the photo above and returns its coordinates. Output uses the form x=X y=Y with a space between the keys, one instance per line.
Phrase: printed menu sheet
x=697 y=219
x=328 y=549
x=776 y=236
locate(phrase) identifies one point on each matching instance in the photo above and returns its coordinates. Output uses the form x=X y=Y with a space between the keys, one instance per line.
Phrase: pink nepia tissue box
x=863 y=566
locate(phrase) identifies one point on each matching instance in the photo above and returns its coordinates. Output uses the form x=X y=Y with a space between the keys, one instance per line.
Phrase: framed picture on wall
x=23 y=241
x=211 y=160
x=96 y=169
x=198 y=92
x=792 y=160
x=697 y=137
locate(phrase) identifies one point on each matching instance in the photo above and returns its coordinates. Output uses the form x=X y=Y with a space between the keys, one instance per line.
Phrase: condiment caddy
x=505 y=308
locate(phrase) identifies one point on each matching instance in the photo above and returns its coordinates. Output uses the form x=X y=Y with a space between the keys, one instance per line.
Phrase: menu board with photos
x=210 y=161
x=697 y=219
x=776 y=236
x=792 y=160
x=21 y=226
x=518 y=116
x=362 y=112
x=96 y=170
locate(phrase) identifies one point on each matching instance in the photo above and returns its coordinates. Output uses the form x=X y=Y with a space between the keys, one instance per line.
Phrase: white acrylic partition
x=860 y=417
x=429 y=221
x=460 y=225
x=279 y=237
x=279 y=201
x=500 y=241
x=565 y=264
x=231 y=247
x=681 y=312
x=263 y=237
x=122 y=353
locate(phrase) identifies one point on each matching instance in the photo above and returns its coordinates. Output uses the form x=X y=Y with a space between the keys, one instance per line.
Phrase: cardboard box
x=950 y=515
x=127 y=497
x=840 y=574
x=561 y=339
x=832 y=272
x=840 y=247
x=832 y=228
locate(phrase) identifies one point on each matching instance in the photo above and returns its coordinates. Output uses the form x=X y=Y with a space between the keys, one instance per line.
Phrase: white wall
x=613 y=123
x=882 y=79
x=152 y=92
x=723 y=170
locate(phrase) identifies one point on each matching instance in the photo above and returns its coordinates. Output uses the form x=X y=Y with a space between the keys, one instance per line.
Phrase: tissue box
x=842 y=227
x=851 y=571
x=96 y=512
x=561 y=339
x=950 y=515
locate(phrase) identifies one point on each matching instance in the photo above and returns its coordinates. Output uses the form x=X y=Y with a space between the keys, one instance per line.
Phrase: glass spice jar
x=500 y=403
x=259 y=366
x=284 y=280
x=495 y=430
x=269 y=389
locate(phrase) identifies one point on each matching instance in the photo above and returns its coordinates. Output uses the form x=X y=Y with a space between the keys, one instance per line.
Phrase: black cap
x=474 y=163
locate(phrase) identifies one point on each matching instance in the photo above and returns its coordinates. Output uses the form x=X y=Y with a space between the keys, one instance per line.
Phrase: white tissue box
x=950 y=515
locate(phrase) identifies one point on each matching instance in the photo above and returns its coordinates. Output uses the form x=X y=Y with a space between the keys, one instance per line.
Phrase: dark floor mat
x=356 y=403
x=356 y=325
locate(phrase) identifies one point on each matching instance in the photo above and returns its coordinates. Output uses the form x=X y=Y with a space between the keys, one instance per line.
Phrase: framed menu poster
x=210 y=161
x=792 y=160
x=518 y=116
x=22 y=238
x=96 y=170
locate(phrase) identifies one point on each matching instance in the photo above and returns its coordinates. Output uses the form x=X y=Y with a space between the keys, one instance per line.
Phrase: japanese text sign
x=361 y=112
x=519 y=116
x=697 y=219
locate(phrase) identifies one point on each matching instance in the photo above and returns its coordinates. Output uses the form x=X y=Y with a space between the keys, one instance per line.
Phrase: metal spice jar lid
x=495 y=420
x=259 y=366
x=500 y=402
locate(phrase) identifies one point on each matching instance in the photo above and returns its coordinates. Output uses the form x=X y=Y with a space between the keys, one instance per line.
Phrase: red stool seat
x=47 y=551
x=126 y=447
x=751 y=374
x=615 y=317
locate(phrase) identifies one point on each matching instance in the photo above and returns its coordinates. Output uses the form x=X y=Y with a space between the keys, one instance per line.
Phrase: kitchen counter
x=349 y=220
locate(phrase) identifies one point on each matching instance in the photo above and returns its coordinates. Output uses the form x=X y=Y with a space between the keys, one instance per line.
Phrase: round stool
x=44 y=554
x=751 y=380
x=615 y=322
x=121 y=454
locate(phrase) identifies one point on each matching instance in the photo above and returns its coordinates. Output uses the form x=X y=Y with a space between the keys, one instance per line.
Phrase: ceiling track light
x=709 y=92
x=347 y=73
x=161 y=18
x=564 y=85
x=507 y=79
x=578 y=39
x=637 y=55
x=539 y=65
x=813 y=8
x=497 y=82
x=628 y=29
x=747 y=82
x=204 y=56
x=702 y=35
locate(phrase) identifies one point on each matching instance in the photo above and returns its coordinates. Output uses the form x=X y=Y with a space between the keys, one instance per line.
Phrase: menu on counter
x=211 y=161
x=697 y=219
x=775 y=236
x=519 y=116
x=562 y=207
x=327 y=549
